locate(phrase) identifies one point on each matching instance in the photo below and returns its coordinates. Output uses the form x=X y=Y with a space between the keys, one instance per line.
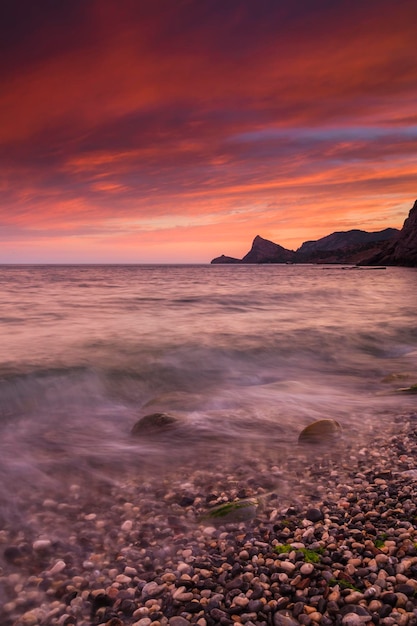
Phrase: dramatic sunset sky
x=176 y=130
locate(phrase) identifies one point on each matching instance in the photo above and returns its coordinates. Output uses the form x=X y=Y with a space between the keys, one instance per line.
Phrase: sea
x=243 y=356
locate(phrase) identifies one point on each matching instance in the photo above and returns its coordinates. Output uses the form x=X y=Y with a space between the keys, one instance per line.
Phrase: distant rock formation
x=353 y=246
x=345 y=239
x=225 y=259
x=264 y=251
x=402 y=250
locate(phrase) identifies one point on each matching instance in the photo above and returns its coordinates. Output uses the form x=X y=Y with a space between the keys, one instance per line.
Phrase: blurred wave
x=243 y=358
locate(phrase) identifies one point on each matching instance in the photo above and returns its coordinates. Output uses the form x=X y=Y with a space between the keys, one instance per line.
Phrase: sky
x=173 y=131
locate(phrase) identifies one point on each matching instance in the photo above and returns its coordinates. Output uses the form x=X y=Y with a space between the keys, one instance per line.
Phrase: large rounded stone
x=322 y=431
x=153 y=424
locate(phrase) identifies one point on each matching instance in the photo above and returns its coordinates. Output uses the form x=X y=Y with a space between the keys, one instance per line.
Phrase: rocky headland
x=386 y=247
x=402 y=248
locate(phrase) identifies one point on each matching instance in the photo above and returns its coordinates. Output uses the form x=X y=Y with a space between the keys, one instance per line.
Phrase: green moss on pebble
x=310 y=556
x=411 y=389
x=343 y=584
x=237 y=511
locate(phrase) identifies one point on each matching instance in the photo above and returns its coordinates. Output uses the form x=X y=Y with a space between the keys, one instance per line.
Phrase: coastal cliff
x=386 y=247
x=402 y=249
x=354 y=246
x=264 y=251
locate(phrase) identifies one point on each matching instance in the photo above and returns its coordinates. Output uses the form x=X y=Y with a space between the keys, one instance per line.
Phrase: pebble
x=125 y=580
x=287 y=567
x=354 y=597
x=41 y=544
x=57 y=568
x=150 y=590
x=29 y=619
x=178 y=621
x=241 y=601
x=315 y=616
x=284 y=619
x=352 y=619
x=307 y=569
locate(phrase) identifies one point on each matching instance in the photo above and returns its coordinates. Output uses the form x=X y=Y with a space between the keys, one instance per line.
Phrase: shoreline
x=333 y=543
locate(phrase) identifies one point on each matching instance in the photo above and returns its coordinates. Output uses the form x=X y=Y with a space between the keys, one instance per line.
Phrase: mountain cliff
x=264 y=251
x=385 y=247
x=346 y=239
x=353 y=246
x=402 y=249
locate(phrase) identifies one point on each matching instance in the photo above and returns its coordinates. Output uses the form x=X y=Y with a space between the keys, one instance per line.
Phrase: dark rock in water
x=153 y=424
x=321 y=431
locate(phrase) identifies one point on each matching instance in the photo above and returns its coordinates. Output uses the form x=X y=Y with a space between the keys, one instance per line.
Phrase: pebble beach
x=335 y=543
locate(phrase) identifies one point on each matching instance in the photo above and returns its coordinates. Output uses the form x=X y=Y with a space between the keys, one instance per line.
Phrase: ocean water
x=243 y=356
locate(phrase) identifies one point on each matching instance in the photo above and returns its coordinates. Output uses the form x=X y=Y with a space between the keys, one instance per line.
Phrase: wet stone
x=320 y=432
x=153 y=424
